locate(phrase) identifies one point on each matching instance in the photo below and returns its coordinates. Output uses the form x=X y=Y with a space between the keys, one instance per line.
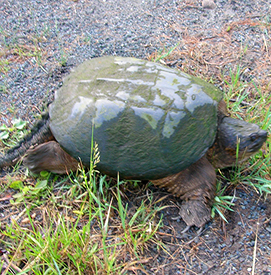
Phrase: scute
x=150 y=121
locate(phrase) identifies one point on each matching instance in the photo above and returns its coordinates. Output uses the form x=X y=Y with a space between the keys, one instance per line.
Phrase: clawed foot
x=196 y=187
x=195 y=213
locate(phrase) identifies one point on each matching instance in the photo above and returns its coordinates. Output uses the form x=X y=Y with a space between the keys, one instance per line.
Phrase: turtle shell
x=149 y=121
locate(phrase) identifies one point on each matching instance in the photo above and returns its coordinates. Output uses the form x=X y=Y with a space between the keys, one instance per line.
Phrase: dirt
x=41 y=41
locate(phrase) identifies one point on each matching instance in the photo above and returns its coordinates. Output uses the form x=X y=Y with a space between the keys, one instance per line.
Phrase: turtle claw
x=186 y=229
x=194 y=213
x=200 y=231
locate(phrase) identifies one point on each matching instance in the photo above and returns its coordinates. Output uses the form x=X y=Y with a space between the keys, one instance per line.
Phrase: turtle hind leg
x=49 y=156
x=196 y=187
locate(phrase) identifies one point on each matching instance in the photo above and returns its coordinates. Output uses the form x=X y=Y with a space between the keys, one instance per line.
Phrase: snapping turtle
x=150 y=122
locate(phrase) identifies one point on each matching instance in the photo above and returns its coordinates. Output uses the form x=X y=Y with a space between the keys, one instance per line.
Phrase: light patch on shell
x=166 y=79
x=85 y=81
x=158 y=101
x=123 y=95
x=133 y=81
x=137 y=98
x=152 y=116
x=169 y=84
x=151 y=68
x=80 y=107
x=172 y=120
x=107 y=110
x=133 y=69
x=195 y=96
x=127 y=60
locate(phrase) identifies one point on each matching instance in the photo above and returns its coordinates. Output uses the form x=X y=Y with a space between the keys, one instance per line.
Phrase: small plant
x=222 y=202
x=4 y=65
x=11 y=135
x=41 y=189
x=165 y=53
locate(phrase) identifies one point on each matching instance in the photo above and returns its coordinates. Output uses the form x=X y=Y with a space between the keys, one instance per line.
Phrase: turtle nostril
x=264 y=133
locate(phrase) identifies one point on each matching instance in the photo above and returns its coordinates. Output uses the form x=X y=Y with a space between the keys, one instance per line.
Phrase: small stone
x=25 y=221
x=208 y=4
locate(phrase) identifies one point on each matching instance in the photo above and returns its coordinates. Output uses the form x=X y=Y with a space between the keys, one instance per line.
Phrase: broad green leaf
x=18 y=185
x=44 y=174
x=41 y=184
x=4 y=135
x=19 y=124
x=4 y=127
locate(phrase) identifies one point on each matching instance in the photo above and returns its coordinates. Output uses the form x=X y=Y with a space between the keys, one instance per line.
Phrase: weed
x=4 y=65
x=76 y=233
x=40 y=190
x=11 y=135
x=165 y=53
x=222 y=202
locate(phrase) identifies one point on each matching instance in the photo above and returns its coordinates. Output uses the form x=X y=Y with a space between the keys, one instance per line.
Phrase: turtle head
x=235 y=135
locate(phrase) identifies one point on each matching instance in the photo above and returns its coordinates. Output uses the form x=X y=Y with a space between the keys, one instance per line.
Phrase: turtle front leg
x=196 y=187
x=49 y=156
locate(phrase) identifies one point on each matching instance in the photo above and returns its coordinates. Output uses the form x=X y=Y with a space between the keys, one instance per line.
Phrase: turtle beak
x=257 y=139
x=263 y=134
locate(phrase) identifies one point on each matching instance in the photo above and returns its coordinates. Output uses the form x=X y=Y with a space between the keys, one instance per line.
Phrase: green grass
x=164 y=53
x=71 y=224
x=78 y=225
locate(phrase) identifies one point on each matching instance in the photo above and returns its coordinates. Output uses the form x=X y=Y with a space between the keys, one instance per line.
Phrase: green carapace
x=149 y=121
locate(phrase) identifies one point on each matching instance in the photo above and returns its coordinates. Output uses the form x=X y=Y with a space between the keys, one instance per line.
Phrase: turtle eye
x=253 y=137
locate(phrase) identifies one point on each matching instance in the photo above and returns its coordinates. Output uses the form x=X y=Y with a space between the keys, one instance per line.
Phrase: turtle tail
x=40 y=133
